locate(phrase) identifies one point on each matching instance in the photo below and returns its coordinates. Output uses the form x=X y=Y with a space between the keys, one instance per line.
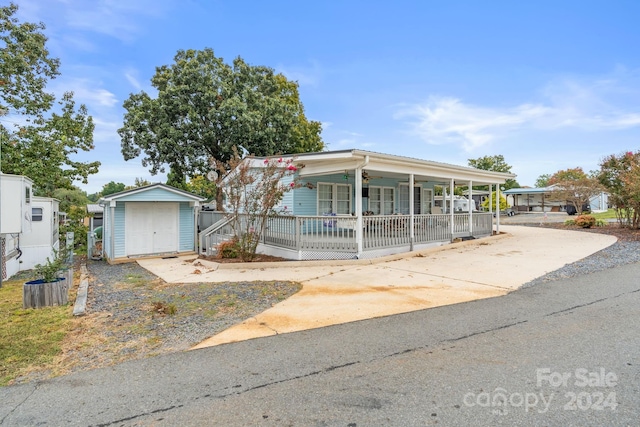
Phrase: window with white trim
x=403 y=199
x=381 y=200
x=334 y=198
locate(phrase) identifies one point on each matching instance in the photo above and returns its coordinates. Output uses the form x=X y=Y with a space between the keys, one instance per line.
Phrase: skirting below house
x=325 y=255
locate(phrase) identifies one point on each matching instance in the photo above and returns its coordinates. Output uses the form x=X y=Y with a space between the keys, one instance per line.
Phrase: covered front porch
x=335 y=237
x=360 y=204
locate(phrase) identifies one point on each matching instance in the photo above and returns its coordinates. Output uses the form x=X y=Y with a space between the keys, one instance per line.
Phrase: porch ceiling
x=397 y=171
x=391 y=166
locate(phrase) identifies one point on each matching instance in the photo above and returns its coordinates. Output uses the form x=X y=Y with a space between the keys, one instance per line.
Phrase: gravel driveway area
x=132 y=314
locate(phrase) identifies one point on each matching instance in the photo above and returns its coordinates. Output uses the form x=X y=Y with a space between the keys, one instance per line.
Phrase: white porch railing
x=312 y=233
x=338 y=233
x=383 y=231
x=215 y=234
x=432 y=228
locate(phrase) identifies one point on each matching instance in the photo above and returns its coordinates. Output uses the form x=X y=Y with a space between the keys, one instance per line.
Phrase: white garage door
x=151 y=228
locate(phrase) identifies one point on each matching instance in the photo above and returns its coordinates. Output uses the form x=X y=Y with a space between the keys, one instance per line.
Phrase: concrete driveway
x=345 y=291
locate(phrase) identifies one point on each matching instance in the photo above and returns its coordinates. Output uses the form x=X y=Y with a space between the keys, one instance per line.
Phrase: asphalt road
x=564 y=353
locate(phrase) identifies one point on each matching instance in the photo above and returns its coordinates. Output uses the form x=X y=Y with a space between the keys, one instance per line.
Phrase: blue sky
x=549 y=85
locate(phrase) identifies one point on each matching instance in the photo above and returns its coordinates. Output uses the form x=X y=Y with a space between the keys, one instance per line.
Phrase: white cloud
x=132 y=77
x=115 y=18
x=87 y=92
x=119 y=19
x=597 y=105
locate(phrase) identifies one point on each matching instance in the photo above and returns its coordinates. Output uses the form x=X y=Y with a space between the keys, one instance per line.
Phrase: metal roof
x=94 y=208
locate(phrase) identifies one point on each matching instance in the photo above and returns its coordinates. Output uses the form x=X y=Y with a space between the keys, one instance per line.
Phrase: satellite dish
x=212 y=176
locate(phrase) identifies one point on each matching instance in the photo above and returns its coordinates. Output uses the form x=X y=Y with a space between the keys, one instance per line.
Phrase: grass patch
x=28 y=338
x=136 y=280
x=609 y=214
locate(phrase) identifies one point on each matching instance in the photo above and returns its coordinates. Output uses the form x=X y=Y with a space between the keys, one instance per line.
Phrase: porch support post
x=470 y=192
x=411 y=210
x=451 y=207
x=491 y=199
x=358 y=211
x=497 y=208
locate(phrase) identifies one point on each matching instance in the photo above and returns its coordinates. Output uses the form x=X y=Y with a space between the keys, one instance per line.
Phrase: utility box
x=15 y=204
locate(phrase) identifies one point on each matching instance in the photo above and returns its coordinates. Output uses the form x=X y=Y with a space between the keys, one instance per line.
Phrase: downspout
x=196 y=234
x=112 y=206
x=359 y=222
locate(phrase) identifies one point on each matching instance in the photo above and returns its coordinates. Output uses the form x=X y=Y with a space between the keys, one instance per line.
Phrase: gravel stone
x=625 y=251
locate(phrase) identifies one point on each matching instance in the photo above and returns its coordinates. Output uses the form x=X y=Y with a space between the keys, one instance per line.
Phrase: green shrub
x=601 y=223
x=585 y=221
x=48 y=271
x=229 y=249
x=570 y=222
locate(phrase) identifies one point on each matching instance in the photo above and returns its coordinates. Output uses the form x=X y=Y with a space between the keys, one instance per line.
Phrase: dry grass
x=29 y=339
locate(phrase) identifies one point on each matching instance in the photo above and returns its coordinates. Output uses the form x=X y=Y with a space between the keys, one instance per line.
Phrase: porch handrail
x=207 y=234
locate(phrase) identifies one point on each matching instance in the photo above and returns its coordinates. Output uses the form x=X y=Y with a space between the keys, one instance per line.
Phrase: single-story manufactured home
x=361 y=204
x=154 y=220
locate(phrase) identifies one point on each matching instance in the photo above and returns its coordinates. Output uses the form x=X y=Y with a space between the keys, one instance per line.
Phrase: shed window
x=36 y=214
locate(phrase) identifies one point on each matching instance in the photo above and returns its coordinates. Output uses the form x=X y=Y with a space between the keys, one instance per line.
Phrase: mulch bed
x=624 y=234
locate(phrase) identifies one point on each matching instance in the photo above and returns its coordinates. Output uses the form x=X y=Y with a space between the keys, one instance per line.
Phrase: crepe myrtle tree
x=252 y=195
x=620 y=175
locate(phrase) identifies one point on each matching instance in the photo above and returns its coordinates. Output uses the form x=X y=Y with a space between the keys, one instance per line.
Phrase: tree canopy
x=496 y=164
x=543 y=180
x=571 y=174
x=205 y=107
x=112 y=188
x=42 y=145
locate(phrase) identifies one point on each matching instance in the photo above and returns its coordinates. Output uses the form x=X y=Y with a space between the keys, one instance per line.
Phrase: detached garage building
x=155 y=220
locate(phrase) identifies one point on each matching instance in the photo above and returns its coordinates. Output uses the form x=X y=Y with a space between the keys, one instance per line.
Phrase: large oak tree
x=204 y=108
